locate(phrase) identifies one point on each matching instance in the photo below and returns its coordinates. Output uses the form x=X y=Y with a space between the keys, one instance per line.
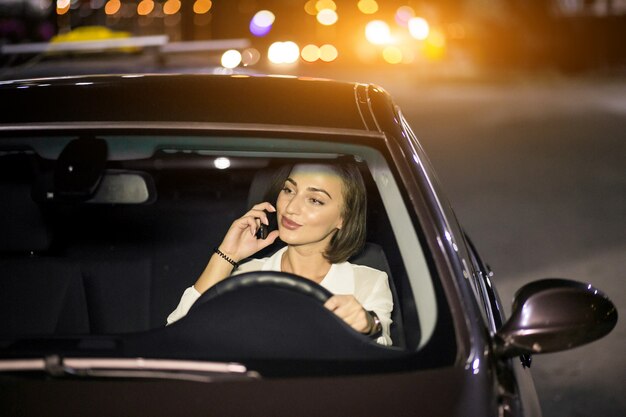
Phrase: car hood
x=451 y=391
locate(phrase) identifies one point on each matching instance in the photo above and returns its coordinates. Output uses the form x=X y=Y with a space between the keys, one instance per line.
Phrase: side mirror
x=555 y=314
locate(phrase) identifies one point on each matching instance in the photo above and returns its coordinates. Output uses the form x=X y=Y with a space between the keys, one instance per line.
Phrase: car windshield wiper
x=197 y=371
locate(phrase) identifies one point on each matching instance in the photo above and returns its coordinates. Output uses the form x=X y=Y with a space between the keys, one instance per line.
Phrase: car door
x=516 y=388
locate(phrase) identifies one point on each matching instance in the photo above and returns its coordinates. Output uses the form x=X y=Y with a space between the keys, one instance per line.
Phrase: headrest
x=372 y=255
x=261 y=185
x=22 y=227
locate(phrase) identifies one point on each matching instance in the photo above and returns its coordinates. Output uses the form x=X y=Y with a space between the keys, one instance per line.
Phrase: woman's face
x=309 y=206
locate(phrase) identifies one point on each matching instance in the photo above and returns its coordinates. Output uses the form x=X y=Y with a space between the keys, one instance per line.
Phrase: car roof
x=239 y=99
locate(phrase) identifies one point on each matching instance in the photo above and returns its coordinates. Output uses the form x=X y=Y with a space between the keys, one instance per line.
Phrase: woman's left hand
x=350 y=310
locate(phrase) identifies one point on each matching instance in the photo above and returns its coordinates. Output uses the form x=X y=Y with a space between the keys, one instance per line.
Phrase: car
x=116 y=187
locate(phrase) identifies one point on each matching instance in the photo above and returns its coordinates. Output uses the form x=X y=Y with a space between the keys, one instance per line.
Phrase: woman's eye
x=316 y=201
x=287 y=190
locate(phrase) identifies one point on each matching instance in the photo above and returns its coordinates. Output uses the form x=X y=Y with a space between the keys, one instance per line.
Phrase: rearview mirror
x=124 y=187
x=115 y=186
x=555 y=314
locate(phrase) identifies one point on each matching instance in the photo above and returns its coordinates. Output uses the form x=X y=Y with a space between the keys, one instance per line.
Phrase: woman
x=321 y=212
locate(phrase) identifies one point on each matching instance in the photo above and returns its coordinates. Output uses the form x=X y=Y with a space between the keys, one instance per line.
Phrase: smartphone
x=265 y=229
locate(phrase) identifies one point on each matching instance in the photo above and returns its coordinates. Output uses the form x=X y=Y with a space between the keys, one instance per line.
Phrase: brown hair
x=348 y=240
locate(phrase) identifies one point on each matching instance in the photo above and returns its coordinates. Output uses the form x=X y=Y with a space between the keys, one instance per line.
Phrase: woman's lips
x=288 y=224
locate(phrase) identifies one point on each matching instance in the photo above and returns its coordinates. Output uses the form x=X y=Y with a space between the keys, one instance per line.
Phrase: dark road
x=536 y=171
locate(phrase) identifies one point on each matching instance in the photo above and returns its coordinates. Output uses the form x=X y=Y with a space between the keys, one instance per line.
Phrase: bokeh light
x=309 y=7
x=250 y=56
x=419 y=28
x=261 y=23
x=202 y=6
x=112 y=7
x=328 y=53
x=63 y=6
x=283 y=52
x=145 y=7
x=392 y=54
x=378 y=32
x=264 y=18
x=325 y=4
x=231 y=58
x=171 y=7
x=310 y=53
x=221 y=162
x=368 y=6
x=435 y=45
x=327 y=17
x=403 y=15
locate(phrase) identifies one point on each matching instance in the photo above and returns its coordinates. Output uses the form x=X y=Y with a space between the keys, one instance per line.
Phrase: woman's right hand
x=240 y=241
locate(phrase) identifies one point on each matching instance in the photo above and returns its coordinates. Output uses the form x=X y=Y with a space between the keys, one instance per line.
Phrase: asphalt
x=536 y=170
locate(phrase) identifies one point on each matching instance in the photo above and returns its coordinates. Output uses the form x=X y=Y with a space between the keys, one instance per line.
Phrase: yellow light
x=328 y=53
x=435 y=45
x=112 y=7
x=327 y=17
x=145 y=7
x=378 y=32
x=310 y=53
x=368 y=6
x=419 y=28
x=392 y=54
x=202 y=6
x=325 y=4
x=171 y=7
x=231 y=58
x=309 y=7
x=437 y=38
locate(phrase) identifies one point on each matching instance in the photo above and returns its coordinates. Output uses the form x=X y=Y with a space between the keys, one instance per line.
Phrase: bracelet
x=224 y=256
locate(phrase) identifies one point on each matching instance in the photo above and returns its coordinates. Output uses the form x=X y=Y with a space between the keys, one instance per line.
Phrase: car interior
x=110 y=250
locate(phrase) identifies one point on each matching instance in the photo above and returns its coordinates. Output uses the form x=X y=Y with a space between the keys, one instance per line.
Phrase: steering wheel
x=267 y=279
x=261 y=315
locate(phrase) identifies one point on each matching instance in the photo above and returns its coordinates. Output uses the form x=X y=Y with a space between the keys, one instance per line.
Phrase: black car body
x=113 y=198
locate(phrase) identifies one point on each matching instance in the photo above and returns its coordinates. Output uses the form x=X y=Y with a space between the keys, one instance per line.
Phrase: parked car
x=114 y=191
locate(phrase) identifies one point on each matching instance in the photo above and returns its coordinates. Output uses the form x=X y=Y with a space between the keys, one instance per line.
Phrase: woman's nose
x=293 y=206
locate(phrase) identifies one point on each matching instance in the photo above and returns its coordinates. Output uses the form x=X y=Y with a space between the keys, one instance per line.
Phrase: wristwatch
x=376 y=328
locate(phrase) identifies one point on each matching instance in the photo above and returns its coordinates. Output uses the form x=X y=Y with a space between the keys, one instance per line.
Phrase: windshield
x=103 y=233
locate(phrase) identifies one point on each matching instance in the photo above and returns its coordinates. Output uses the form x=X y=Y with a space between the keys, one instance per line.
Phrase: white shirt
x=368 y=285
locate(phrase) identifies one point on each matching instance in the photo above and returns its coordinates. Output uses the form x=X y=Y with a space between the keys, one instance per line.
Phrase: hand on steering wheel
x=349 y=310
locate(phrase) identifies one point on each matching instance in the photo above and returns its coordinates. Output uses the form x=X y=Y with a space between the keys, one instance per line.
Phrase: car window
x=117 y=262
